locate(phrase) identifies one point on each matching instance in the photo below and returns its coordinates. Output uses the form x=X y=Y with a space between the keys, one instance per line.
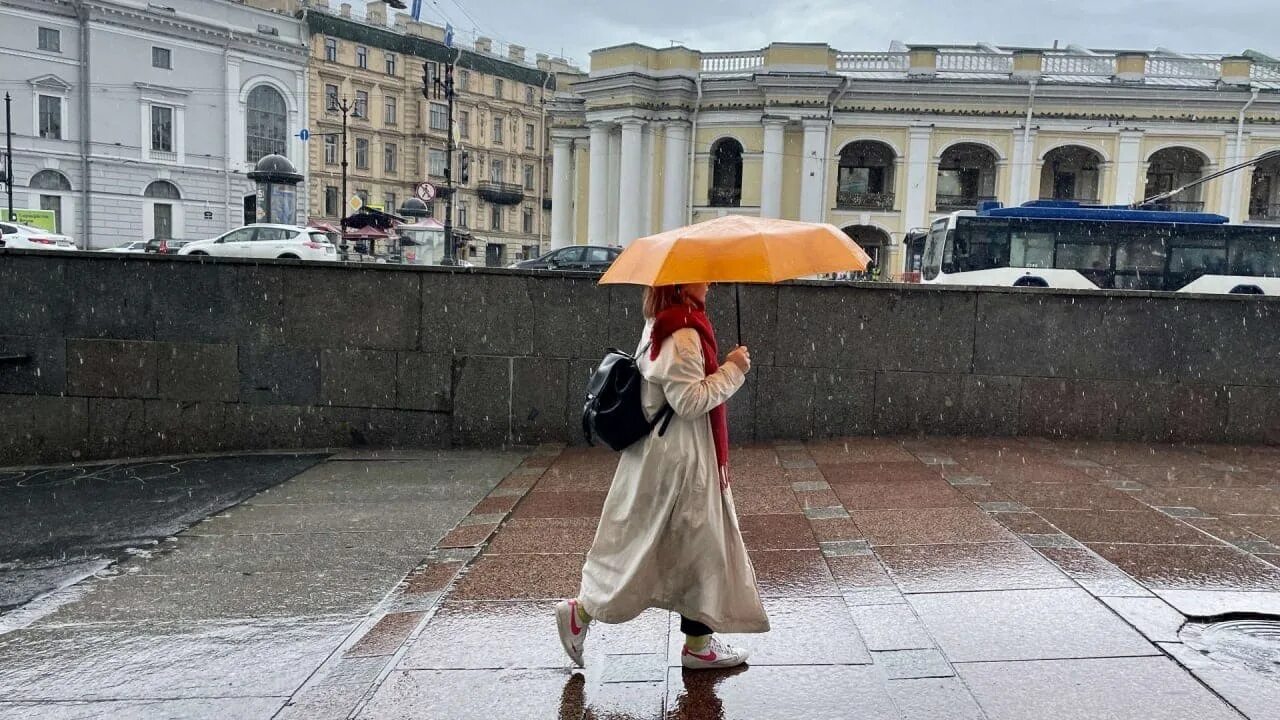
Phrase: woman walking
x=668 y=536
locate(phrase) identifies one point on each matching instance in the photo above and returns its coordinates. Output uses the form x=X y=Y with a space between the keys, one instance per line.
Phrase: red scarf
x=694 y=315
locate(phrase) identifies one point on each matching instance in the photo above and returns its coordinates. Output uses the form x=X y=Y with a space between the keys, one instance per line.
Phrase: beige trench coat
x=668 y=536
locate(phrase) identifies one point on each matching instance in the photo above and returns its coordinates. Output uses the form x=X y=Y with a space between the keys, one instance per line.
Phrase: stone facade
x=277 y=363
x=879 y=143
x=398 y=139
x=133 y=122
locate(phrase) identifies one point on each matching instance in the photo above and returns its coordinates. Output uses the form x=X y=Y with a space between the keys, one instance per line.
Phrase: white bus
x=1061 y=244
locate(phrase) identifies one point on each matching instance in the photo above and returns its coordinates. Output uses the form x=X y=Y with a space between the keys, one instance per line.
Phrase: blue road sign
x=303 y=135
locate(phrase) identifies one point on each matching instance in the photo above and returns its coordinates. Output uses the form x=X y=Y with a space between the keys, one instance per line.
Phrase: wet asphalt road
x=59 y=524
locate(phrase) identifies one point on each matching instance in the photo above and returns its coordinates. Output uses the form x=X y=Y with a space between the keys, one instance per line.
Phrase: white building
x=136 y=119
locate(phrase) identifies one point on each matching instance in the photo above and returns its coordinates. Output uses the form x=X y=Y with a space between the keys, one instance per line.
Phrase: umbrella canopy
x=365 y=233
x=737 y=249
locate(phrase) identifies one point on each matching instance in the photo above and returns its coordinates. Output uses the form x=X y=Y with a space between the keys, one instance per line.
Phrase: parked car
x=136 y=246
x=165 y=246
x=25 y=237
x=592 y=258
x=263 y=240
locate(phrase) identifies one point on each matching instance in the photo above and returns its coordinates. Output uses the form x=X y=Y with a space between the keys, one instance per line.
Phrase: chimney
x=516 y=53
x=345 y=10
x=922 y=61
x=484 y=45
x=1237 y=70
x=376 y=12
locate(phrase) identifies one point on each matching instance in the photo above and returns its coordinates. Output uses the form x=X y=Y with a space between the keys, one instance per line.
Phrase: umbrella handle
x=737 y=308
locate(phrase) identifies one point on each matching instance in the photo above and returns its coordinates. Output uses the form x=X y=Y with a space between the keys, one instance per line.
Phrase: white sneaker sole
x=692 y=663
x=563 y=625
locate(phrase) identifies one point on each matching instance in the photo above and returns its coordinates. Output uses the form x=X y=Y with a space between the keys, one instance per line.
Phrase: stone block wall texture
x=111 y=356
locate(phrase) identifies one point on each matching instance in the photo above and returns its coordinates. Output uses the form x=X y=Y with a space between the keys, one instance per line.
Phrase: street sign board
x=303 y=135
x=426 y=191
x=355 y=203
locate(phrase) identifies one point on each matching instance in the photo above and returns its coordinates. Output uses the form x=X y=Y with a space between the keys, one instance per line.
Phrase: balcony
x=959 y=202
x=500 y=193
x=1176 y=206
x=1081 y=200
x=1264 y=213
x=724 y=197
x=846 y=200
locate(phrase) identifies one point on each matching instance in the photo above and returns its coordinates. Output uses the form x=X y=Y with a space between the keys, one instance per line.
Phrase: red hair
x=657 y=299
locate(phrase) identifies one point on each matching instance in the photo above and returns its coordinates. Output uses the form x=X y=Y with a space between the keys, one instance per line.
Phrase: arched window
x=1264 y=191
x=966 y=176
x=162 y=189
x=865 y=180
x=50 y=180
x=726 y=173
x=1171 y=168
x=266 y=124
x=876 y=242
x=1071 y=172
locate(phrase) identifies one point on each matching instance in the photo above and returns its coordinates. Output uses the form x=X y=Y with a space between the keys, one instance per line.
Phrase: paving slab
x=970 y=566
x=831 y=692
x=180 y=709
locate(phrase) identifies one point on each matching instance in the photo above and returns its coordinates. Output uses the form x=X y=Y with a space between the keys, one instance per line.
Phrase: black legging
x=693 y=627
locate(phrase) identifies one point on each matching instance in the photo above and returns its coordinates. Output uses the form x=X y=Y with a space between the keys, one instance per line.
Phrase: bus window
x=1254 y=258
x=980 y=244
x=1196 y=261
x=1030 y=249
x=933 y=249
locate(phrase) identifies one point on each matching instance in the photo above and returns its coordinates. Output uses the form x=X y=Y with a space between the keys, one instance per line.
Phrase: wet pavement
x=938 y=578
x=61 y=524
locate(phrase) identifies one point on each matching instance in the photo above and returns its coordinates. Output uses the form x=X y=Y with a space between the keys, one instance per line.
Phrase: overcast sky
x=575 y=27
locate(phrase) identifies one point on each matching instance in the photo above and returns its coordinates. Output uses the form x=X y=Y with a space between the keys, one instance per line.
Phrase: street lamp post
x=345 y=107
x=8 y=154
x=445 y=86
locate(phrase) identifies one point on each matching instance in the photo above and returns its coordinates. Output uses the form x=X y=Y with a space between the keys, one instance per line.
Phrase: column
x=561 y=192
x=771 y=168
x=598 y=188
x=1235 y=186
x=1129 y=167
x=813 y=171
x=1023 y=163
x=615 y=177
x=915 y=205
x=630 y=177
x=675 y=176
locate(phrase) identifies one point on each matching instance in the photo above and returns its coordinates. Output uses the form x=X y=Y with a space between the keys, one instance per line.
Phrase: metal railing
x=1265 y=213
x=1079 y=65
x=1081 y=200
x=1175 y=206
x=724 y=197
x=729 y=63
x=846 y=200
x=959 y=202
x=871 y=62
x=1172 y=68
x=975 y=62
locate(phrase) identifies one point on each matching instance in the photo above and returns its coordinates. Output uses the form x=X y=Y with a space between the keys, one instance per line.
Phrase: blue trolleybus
x=1062 y=244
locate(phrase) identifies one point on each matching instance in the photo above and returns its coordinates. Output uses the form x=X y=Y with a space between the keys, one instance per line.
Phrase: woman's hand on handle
x=741 y=357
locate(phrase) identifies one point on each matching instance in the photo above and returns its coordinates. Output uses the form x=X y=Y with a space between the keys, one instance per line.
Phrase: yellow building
x=396 y=137
x=879 y=143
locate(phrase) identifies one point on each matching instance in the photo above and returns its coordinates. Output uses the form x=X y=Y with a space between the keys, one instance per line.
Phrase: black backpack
x=614 y=411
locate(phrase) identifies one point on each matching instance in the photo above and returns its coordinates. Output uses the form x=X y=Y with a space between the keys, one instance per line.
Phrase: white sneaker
x=573 y=634
x=716 y=654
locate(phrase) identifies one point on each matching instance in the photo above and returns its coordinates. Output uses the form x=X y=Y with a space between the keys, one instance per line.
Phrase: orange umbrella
x=736 y=249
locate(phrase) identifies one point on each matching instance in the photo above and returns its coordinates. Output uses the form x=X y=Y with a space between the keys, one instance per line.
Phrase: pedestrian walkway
x=1004 y=579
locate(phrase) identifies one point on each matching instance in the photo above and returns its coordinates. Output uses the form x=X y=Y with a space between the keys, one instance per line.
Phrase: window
x=528 y=136
x=271 y=234
x=495 y=217
x=496 y=168
x=497 y=130
x=331 y=50
x=51 y=117
x=161 y=129
x=362 y=57
x=362 y=104
x=331 y=201
x=161 y=58
x=497 y=87
x=528 y=95
x=462 y=214
x=528 y=177
x=464 y=80
x=438 y=116
x=527 y=224
x=331 y=98
x=330 y=149
x=432 y=72
x=389 y=202
x=389 y=111
x=266 y=124
x=464 y=124
x=49 y=39
x=389 y=154
x=435 y=162
x=362 y=153
x=391 y=64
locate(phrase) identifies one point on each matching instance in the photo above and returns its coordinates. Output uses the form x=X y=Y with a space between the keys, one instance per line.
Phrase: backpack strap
x=664 y=416
x=586 y=429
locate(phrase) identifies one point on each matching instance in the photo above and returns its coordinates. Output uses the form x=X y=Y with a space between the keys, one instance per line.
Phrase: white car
x=263 y=240
x=137 y=246
x=25 y=237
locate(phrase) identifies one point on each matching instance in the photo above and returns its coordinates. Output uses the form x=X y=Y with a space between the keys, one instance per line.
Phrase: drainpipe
x=228 y=98
x=1235 y=185
x=693 y=148
x=831 y=135
x=82 y=14
x=1024 y=169
x=542 y=164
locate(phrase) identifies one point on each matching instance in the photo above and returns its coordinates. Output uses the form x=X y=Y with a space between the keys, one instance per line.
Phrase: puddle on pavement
x=1251 y=644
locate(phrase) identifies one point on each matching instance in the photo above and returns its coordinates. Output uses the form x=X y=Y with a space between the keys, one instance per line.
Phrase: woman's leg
x=704 y=651
x=572 y=622
x=696 y=634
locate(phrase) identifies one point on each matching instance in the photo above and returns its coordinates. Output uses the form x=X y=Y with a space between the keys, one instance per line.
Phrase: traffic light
x=464 y=167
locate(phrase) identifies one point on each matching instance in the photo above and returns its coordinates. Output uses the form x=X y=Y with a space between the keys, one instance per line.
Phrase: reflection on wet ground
x=906 y=579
